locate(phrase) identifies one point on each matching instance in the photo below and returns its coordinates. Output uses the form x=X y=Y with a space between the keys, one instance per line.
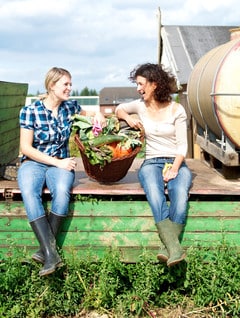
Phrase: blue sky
x=99 y=42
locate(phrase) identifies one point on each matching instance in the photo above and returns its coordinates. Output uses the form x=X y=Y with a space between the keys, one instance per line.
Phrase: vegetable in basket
x=103 y=144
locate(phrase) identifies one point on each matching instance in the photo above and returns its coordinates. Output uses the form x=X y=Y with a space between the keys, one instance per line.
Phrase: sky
x=98 y=41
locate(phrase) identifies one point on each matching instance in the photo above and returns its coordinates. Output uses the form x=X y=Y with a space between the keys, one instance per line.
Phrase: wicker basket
x=111 y=172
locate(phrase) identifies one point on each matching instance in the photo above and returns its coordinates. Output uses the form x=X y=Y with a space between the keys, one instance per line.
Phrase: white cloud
x=200 y=12
x=98 y=41
x=28 y=8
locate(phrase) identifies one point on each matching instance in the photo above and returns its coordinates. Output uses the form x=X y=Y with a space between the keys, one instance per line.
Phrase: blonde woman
x=45 y=128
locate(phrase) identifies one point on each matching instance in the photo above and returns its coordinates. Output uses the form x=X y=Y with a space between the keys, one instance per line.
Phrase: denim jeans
x=150 y=177
x=33 y=177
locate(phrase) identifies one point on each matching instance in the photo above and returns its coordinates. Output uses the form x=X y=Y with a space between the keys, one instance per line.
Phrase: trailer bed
x=206 y=181
x=118 y=215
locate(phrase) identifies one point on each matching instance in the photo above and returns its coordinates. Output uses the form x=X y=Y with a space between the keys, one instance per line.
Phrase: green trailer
x=117 y=215
x=107 y=216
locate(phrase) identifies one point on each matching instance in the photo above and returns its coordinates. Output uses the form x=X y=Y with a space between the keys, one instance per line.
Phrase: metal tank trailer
x=213 y=94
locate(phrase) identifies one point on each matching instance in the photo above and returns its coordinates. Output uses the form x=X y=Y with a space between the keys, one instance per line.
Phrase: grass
x=146 y=288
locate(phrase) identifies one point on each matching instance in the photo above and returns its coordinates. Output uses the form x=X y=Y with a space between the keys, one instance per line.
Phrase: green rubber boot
x=55 y=221
x=169 y=233
x=162 y=255
x=46 y=239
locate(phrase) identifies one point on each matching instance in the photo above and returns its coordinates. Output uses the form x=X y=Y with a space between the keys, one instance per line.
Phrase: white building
x=87 y=102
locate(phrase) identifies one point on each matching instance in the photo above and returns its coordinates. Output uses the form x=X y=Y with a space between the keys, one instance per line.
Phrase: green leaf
x=82 y=122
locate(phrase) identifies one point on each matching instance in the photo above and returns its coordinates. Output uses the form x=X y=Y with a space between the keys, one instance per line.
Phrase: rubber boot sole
x=162 y=258
x=176 y=261
x=38 y=258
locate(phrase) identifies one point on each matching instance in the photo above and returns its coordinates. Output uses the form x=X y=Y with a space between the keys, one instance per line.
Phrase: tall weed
x=121 y=289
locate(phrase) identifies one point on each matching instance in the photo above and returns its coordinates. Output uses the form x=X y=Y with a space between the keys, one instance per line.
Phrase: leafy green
x=112 y=126
x=82 y=122
x=102 y=154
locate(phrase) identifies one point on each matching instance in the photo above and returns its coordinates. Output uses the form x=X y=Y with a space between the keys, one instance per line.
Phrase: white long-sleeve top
x=167 y=138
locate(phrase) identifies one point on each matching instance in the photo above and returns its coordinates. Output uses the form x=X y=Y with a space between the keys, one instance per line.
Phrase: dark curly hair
x=165 y=80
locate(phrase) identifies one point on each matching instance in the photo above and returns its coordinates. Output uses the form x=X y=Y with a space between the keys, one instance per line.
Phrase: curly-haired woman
x=165 y=124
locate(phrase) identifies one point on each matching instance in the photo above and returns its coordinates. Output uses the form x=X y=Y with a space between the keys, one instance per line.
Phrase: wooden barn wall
x=13 y=96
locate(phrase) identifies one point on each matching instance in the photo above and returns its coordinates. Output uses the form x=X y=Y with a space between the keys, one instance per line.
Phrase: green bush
x=121 y=289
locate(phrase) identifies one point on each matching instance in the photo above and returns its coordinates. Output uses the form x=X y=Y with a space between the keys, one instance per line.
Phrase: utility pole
x=160 y=48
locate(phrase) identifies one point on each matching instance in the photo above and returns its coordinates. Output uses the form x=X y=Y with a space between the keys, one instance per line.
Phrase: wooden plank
x=10 y=143
x=206 y=181
x=13 y=97
x=9 y=131
x=226 y=157
x=12 y=208
x=129 y=252
x=146 y=224
x=11 y=88
x=9 y=156
x=11 y=108
x=10 y=138
x=118 y=239
x=222 y=209
x=11 y=126
x=125 y=225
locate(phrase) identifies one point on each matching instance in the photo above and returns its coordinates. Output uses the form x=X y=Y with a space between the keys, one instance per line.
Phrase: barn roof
x=117 y=95
x=182 y=46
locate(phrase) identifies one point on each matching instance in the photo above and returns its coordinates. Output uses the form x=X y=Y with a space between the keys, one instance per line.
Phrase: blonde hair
x=52 y=76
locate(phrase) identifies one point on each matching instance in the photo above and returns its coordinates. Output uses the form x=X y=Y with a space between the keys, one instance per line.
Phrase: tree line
x=75 y=92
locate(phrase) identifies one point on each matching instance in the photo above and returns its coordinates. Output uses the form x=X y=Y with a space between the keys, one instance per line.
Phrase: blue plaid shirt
x=51 y=135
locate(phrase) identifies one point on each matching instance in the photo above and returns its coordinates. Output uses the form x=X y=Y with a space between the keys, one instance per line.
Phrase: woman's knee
x=146 y=171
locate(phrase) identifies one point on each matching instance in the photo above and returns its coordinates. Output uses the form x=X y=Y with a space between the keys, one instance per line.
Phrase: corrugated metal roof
x=183 y=46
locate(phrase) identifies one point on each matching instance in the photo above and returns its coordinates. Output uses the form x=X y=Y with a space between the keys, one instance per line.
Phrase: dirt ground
x=163 y=313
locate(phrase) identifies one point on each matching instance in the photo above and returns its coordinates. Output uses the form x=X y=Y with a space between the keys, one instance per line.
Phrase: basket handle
x=79 y=143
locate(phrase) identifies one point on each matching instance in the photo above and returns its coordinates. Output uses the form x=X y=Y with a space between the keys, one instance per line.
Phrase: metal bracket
x=8 y=194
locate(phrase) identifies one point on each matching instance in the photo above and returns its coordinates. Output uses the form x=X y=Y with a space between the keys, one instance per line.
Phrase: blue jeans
x=150 y=177
x=33 y=177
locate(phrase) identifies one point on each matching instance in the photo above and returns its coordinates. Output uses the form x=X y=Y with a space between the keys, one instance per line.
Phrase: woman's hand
x=169 y=174
x=134 y=122
x=67 y=163
x=172 y=172
x=100 y=119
